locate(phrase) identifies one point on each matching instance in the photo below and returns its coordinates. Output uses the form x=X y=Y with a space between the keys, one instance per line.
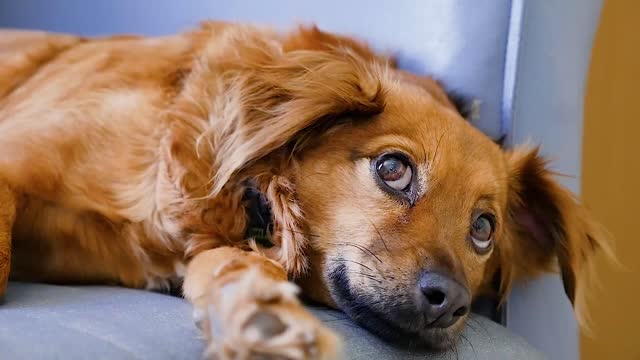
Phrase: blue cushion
x=39 y=321
x=65 y=322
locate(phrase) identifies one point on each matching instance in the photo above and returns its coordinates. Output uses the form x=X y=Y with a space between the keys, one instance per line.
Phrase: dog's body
x=125 y=160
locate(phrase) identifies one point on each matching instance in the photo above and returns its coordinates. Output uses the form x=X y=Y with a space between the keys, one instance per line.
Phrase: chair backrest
x=524 y=60
x=545 y=73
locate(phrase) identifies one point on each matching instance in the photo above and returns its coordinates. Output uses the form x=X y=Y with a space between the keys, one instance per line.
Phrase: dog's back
x=72 y=110
x=22 y=53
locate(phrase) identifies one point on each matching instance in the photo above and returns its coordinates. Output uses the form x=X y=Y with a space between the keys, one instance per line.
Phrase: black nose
x=446 y=299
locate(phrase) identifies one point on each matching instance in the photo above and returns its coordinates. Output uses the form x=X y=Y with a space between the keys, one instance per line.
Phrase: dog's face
x=411 y=212
x=408 y=211
x=404 y=210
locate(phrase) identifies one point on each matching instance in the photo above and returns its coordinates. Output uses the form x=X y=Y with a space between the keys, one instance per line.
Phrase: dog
x=234 y=162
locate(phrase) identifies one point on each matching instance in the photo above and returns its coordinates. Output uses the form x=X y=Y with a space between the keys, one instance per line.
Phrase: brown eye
x=394 y=171
x=482 y=232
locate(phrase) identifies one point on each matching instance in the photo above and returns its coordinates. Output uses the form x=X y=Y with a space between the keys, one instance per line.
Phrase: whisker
x=480 y=325
x=353 y=261
x=475 y=354
x=359 y=247
x=450 y=349
x=470 y=326
x=455 y=349
x=379 y=234
x=369 y=276
x=426 y=153
x=435 y=153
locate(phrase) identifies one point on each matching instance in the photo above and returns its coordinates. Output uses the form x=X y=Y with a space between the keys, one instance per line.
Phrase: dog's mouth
x=399 y=326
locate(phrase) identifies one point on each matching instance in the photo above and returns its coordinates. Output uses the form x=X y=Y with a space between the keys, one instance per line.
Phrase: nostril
x=461 y=311
x=435 y=296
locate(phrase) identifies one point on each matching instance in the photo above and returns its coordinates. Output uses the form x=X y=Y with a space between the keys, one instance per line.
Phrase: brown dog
x=128 y=160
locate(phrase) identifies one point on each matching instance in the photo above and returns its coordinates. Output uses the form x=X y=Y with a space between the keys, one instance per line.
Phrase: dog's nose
x=446 y=299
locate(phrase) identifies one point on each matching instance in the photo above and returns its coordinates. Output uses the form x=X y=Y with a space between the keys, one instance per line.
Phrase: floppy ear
x=281 y=93
x=259 y=97
x=546 y=222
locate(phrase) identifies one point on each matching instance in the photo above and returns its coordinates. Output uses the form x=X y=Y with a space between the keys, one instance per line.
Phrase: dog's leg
x=247 y=309
x=7 y=217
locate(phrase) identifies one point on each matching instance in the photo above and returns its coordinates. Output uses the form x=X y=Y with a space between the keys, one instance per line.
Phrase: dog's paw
x=257 y=317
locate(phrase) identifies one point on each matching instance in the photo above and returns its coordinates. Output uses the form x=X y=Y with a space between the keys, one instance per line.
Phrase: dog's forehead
x=442 y=142
x=433 y=124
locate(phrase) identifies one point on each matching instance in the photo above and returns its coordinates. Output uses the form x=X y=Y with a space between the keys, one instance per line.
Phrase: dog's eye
x=482 y=232
x=394 y=171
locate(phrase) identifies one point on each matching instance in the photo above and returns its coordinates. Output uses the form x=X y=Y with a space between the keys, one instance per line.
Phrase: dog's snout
x=446 y=299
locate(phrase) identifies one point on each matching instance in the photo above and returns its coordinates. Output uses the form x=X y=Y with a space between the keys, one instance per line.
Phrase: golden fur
x=127 y=159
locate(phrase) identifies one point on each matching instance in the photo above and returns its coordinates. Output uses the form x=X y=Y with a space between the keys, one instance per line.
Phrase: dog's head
x=403 y=211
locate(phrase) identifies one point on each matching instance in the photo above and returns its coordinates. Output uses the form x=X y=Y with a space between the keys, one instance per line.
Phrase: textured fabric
x=64 y=322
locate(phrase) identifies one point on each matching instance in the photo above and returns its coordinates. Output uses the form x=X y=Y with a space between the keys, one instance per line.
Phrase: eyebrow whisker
x=435 y=153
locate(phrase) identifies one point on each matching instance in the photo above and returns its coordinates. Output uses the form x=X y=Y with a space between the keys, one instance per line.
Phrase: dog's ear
x=545 y=222
x=281 y=93
x=312 y=38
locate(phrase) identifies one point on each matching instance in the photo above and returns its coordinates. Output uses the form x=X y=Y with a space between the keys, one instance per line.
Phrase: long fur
x=130 y=157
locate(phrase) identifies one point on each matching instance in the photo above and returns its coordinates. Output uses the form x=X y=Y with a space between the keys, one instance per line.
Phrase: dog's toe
x=259 y=318
x=280 y=331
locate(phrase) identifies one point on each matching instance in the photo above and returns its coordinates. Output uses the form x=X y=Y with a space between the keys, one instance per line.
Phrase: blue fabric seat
x=50 y=322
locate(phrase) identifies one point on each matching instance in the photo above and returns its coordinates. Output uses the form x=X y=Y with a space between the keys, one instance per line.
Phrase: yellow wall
x=611 y=178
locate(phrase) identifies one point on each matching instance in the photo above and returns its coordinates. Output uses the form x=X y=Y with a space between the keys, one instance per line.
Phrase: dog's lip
x=378 y=323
